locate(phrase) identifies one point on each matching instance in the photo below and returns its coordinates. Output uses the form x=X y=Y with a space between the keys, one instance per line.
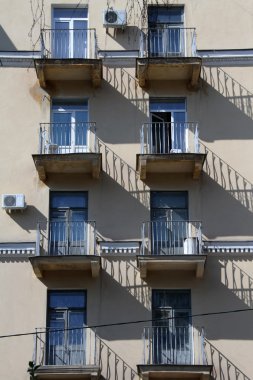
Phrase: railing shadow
x=230 y=88
x=122 y=173
x=112 y=366
x=127 y=275
x=239 y=282
x=228 y=178
x=127 y=85
x=223 y=368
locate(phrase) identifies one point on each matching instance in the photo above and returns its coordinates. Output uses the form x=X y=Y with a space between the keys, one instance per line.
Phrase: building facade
x=126 y=229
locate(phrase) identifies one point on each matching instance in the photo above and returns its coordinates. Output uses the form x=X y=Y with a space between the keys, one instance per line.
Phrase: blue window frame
x=69 y=128
x=68 y=223
x=66 y=338
x=70 y=38
x=172 y=337
x=166 y=36
x=169 y=216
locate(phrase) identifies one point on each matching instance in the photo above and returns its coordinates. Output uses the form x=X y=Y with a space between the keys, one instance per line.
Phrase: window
x=166 y=33
x=172 y=337
x=68 y=228
x=70 y=39
x=169 y=129
x=69 y=128
x=169 y=216
x=66 y=310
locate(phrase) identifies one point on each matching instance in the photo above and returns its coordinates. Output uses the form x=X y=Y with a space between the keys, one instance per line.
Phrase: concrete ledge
x=72 y=163
x=175 y=372
x=154 y=263
x=87 y=263
x=170 y=163
x=68 y=372
x=68 y=69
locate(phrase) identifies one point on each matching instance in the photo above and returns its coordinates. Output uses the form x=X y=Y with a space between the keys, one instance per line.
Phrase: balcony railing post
x=35 y=347
x=38 y=240
x=155 y=138
x=143 y=239
x=194 y=43
x=55 y=43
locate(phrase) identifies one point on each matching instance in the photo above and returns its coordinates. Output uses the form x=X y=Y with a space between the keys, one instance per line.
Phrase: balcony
x=169 y=245
x=67 y=148
x=66 y=354
x=170 y=148
x=168 y=53
x=66 y=246
x=174 y=352
x=68 y=55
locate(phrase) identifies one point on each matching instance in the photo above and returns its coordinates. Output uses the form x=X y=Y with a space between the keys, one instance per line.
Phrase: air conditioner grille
x=111 y=17
x=10 y=200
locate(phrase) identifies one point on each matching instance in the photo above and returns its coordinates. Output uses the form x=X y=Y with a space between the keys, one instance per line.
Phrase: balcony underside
x=68 y=372
x=179 y=68
x=156 y=263
x=71 y=163
x=42 y=264
x=180 y=163
x=175 y=372
x=51 y=70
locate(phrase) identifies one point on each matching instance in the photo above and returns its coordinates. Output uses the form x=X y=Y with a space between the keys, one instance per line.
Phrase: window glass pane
x=68 y=199
x=166 y=105
x=70 y=12
x=175 y=299
x=62 y=299
x=165 y=15
x=70 y=104
x=169 y=199
x=76 y=319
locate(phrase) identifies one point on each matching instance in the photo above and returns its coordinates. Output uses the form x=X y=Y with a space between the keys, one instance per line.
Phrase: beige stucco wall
x=119 y=295
x=118 y=201
x=214 y=21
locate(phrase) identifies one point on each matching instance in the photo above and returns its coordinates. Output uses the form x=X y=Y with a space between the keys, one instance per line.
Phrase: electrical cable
x=127 y=323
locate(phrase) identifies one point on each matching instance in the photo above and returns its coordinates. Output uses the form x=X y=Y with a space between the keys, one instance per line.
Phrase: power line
x=128 y=323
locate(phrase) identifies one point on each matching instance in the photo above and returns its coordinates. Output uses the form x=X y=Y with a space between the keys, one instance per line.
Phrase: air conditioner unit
x=191 y=246
x=114 y=18
x=13 y=201
x=176 y=151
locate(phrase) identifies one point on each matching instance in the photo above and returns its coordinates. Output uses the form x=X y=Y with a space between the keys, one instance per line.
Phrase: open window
x=168 y=126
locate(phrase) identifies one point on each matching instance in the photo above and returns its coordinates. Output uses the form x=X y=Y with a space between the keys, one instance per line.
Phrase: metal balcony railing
x=164 y=138
x=69 y=43
x=175 y=345
x=59 y=347
x=166 y=41
x=61 y=238
x=169 y=237
x=62 y=138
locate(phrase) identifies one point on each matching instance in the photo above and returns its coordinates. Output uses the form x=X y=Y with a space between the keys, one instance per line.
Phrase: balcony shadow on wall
x=129 y=38
x=119 y=213
x=6 y=43
x=223 y=368
x=122 y=307
x=132 y=106
x=112 y=366
x=218 y=297
x=127 y=275
x=228 y=178
x=124 y=174
x=29 y=218
x=225 y=96
x=238 y=281
x=228 y=217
